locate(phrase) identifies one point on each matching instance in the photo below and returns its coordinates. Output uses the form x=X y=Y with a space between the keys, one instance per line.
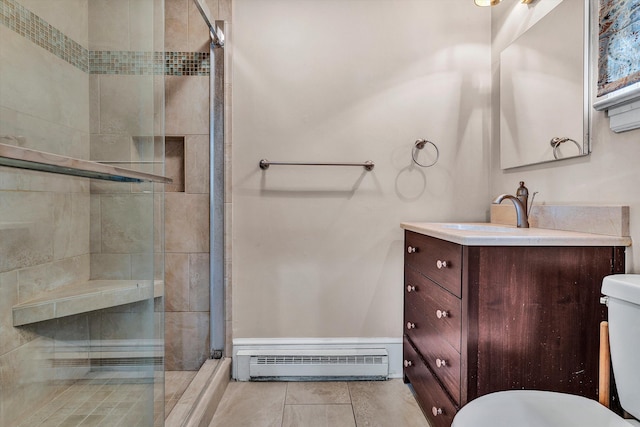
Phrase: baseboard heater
x=312 y=365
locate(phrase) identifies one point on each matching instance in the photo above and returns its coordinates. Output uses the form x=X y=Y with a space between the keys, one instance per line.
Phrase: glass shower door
x=81 y=225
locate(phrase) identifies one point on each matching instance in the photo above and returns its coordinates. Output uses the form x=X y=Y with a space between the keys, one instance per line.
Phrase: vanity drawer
x=432 y=398
x=441 y=310
x=443 y=359
x=439 y=260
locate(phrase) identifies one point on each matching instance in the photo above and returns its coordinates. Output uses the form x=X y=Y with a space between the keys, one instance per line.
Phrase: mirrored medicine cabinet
x=544 y=89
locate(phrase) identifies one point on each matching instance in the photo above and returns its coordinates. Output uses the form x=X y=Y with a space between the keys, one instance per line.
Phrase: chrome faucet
x=520 y=203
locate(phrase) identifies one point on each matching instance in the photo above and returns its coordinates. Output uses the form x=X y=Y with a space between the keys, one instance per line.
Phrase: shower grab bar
x=25 y=158
x=368 y=165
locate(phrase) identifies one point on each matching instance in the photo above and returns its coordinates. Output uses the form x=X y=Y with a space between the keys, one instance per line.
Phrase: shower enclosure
x=81 y=212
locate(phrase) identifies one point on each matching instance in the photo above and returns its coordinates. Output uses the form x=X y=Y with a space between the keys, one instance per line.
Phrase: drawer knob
x=436 y=411
x=441 y=363
x=441 y=264
x=411 y=325
x=411 y=288
x=441 y=314
x=411 y=250
x=408 y=363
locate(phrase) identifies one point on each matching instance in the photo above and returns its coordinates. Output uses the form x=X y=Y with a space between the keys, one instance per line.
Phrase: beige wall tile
x=158 y=26
x=158 y=222
x=126 y=223
x=98 y=186
x=199 y=38
x=71 y=224
x=142 y=266
x=95 y=232
x=39 y=279
x=43 y=135
x=186 y=340
x=10 y=337
x=199 y=282
x=197 y=164
x=110 y=266
x=158 y=103
x=68 y=16
x=127 y=105
x=41 y=84
x=187 y=105
x=111 y=147
x=94 y=103
x=228 y=280
x=26 y=237
x=176 y=22
x=109 y=25
x=176 y=282
x=141 y=25
x=228 y=342
x=187 y=222
x=228 y=147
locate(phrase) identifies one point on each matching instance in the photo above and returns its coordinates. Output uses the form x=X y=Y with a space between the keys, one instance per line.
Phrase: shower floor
x=103 y=399
x=175 y=384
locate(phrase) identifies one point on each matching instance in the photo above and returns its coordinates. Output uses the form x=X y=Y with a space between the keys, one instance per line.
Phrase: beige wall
x=609 y=175
x=318 y=252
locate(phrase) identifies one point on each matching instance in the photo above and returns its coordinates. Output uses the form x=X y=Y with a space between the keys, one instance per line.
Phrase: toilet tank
x=623 y=291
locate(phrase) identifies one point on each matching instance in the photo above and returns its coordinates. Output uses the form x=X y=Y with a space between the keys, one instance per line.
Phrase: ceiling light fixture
x=483 y=3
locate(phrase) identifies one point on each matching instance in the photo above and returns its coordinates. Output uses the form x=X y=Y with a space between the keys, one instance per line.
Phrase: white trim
x=618 y=97
x=623 y=108
x=392 y=345
x=625 y=117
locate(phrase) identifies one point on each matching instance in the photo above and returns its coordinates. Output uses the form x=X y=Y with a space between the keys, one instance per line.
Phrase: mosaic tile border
x=35 y=29
x=618 y=45
x=147 y=63
x=29 y=25
x=187 y=64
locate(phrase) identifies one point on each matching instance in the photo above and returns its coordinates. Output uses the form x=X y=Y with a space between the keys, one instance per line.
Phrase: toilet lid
x=532 y=408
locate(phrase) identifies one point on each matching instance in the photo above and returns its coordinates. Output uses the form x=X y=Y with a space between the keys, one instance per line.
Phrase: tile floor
x=327 y=404
x=103 y=399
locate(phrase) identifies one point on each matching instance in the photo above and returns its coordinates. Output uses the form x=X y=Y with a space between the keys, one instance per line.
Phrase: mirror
x=544 y=87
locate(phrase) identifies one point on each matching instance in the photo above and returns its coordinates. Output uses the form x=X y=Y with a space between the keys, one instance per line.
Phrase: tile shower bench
x=85 y=297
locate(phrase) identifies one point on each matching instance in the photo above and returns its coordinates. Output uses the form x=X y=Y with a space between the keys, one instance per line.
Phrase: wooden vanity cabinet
x=479 y=319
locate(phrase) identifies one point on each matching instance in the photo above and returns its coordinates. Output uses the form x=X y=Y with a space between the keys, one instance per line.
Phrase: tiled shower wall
x=44 y=219
x=187 y=212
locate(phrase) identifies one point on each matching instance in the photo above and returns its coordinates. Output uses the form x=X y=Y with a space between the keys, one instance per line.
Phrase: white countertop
x=485 y=234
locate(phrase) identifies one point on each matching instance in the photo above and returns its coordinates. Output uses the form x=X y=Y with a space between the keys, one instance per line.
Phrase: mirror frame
x=587 y=55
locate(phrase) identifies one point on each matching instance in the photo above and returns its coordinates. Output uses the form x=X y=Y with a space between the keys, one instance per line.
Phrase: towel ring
x=419 y=145
x=556 y=141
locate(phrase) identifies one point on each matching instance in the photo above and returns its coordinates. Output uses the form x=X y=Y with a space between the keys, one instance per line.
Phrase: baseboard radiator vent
x=312 y=365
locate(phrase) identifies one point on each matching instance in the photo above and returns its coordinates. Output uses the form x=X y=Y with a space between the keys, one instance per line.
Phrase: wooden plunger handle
x=605 y=365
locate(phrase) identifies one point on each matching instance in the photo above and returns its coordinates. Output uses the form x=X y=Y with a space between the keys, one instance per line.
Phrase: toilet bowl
x=532 y=408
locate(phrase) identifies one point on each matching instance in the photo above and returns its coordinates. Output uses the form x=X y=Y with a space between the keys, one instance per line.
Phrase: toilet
x=532 y=408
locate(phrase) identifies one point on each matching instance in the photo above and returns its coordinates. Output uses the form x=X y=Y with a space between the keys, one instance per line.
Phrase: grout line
x=284 y=403
x=353 y=410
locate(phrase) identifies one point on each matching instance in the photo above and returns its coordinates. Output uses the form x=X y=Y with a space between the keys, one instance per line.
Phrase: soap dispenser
x=522 y=194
